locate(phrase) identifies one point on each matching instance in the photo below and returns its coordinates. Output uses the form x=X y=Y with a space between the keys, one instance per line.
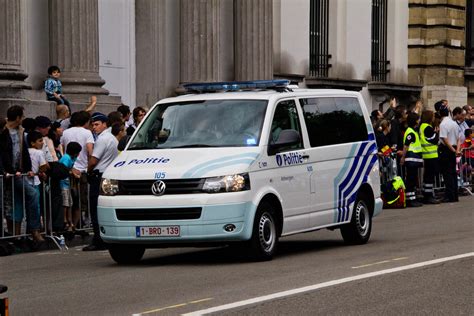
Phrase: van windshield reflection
x=210 y=123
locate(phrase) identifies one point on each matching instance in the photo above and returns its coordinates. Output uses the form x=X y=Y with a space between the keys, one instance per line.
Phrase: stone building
x=139 y=51
x=440 y=48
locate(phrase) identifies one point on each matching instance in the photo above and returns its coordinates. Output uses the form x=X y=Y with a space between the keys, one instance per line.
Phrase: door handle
x=305 y=156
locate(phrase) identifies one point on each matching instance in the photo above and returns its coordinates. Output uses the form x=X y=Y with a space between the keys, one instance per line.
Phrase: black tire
x=126 y=254
x=357 y=232
x=264 y=239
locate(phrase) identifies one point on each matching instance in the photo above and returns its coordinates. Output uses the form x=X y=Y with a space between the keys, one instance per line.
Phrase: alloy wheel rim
x=266 y=232
x=362 y=219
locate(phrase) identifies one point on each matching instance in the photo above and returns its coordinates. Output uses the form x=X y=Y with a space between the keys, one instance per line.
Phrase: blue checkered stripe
x=353 y=174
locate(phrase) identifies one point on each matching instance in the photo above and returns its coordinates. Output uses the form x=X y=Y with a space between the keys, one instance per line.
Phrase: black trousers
x=430 y=172
x=94 y=189
x=411 y=178
x=447 y=162
x=57 y=210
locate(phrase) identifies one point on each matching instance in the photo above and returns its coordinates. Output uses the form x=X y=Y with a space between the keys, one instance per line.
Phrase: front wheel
x=357 y=232
x=126 y=254
x=265 y=234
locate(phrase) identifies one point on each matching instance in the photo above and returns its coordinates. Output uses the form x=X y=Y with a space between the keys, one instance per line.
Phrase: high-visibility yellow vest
x=429 y=150
x=414 y=150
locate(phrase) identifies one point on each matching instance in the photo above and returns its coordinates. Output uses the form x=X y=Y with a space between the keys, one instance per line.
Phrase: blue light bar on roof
x=236 y=85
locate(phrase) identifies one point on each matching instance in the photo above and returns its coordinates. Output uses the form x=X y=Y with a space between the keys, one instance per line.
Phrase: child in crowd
x=53 y=87
x=468 y=149
x=72 y=151
x=38 y=165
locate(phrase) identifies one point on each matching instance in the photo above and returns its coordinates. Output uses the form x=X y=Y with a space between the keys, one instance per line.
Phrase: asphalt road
x=184 y=280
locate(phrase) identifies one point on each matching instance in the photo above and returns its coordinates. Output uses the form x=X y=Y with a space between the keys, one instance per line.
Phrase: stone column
x=12 y=75
x=157 y=57
x=199 y=40
x=436 y=41
x=74 y=45
x=253 y=24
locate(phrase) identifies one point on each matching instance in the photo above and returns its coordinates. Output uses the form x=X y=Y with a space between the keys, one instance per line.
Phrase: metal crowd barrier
x=13 y=210
x=389 y=167
x=465 y=169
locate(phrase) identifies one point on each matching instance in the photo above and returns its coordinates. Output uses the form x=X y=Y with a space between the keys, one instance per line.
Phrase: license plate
x=158 y=231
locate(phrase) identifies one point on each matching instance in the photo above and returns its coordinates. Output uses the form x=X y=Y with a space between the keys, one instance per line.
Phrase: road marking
x=173 y=306
x=324 y=285
x=200 y=301
x=380 y=262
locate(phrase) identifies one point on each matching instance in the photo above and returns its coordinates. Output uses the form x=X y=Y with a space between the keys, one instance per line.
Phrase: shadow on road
x=237 y=255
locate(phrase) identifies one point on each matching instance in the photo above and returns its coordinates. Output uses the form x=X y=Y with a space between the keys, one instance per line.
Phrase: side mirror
x=287 y=137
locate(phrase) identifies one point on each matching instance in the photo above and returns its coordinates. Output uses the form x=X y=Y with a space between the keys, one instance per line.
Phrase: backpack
x=393 y=193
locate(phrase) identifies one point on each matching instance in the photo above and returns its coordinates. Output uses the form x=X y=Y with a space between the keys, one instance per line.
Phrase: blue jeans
x=31 y=197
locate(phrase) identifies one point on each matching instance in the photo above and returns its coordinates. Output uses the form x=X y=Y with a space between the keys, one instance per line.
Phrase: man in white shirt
x=459 y=116
x=105 y=151
x=80 y=133
x=448 y=150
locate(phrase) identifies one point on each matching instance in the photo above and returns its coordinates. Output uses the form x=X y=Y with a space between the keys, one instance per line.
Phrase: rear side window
x=333 y=121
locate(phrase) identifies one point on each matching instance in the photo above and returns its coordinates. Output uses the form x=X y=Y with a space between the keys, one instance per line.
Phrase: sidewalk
x=24 y=245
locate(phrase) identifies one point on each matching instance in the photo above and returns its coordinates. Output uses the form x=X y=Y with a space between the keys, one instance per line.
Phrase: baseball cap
x=42 y=121
x=97 y=116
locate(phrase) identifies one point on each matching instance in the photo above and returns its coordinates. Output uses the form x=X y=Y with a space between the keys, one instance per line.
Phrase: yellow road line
x=200 y=301
x=401 y=258
x=379 y=262
x=174 y=306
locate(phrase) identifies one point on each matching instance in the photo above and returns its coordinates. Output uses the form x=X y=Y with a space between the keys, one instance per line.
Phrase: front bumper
x=208 y=228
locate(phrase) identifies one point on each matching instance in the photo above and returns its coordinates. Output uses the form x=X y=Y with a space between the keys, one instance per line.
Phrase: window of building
x=333 y=121
x=318 y=38
x=285 y=117
x=470 y=33
x=379 y=62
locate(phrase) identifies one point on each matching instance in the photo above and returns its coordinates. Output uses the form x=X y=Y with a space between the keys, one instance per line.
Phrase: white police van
x=245 y=166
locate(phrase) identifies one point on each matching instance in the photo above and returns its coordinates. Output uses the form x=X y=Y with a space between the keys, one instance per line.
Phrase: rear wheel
x=126 y=254
x=357 y=232
x=265 y=234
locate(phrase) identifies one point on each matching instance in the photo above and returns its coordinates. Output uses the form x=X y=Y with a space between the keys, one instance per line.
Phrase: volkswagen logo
x=158 y=188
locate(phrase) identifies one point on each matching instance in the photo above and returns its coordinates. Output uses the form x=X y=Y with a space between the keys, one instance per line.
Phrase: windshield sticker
x=142 y=161
x=289 y=159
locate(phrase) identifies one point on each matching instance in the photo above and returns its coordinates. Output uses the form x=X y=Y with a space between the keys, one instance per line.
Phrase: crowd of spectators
x=438 y=141
x=53 y=168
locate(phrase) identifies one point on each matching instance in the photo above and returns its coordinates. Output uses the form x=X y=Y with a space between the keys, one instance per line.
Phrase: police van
x=242 y=163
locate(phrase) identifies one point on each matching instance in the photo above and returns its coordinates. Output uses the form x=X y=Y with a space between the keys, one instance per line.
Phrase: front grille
x=158 y=214
x=175 y=186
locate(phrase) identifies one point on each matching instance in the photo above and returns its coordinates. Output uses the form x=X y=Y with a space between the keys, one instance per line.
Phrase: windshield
x=210 y=123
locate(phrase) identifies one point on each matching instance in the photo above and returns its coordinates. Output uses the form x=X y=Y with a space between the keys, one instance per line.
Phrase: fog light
x=229 y=228
x=102 y=230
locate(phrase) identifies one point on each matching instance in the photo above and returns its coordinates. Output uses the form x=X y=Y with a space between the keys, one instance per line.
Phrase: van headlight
x=109 y=187
x=232 y=183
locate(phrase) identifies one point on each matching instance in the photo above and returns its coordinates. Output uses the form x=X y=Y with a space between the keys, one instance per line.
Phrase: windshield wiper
x=194 y=146
x=141 y=148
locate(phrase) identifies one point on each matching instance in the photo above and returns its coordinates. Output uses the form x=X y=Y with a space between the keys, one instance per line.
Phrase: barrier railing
x=389 y=168
x=465 y=169
x=26 y=207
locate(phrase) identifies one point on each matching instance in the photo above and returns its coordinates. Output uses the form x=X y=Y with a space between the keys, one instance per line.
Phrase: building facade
x=140 y=51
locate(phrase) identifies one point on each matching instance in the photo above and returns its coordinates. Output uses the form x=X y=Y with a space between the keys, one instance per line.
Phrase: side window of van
x=285 y=117
x=334 y=120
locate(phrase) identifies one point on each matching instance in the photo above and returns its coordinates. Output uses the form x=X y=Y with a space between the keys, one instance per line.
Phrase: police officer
x=429 y=145
x=449 y=148
x=412 y=158
x=105 y=151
